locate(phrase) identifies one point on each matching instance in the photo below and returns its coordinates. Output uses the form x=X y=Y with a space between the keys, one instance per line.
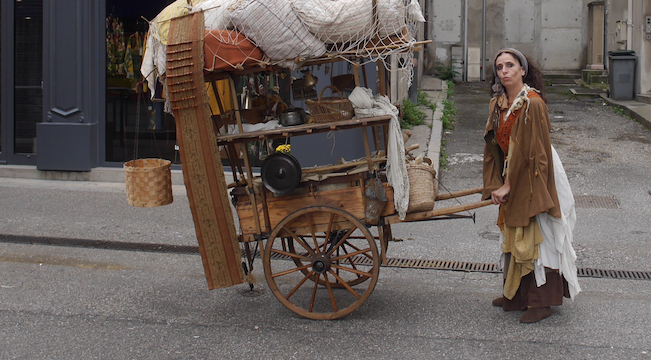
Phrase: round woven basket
x=423 y=188
x=149 y=182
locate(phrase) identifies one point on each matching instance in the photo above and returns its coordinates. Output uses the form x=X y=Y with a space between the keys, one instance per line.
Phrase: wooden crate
x=349 y=198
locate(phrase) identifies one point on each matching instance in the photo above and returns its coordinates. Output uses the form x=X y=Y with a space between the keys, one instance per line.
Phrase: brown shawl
x=531 y=172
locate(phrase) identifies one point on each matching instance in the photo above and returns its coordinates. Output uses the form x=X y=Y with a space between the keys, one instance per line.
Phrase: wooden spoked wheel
x=328 y=246
x=299 y=261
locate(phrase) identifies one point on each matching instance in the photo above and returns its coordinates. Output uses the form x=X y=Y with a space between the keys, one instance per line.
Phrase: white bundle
x=351 y=21
x=216 y=13
x=275 y=29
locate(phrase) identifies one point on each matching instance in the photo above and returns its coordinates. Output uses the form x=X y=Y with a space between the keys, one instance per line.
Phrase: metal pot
x=293 y=116
x=281 y=173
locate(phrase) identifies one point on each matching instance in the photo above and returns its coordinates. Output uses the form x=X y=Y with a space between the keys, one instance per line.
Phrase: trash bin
x=621 y=74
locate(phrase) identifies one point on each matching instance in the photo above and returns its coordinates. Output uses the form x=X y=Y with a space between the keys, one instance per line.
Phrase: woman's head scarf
x=498 y=88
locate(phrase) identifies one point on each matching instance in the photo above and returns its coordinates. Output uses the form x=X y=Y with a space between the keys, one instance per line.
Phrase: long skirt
x=529 y=295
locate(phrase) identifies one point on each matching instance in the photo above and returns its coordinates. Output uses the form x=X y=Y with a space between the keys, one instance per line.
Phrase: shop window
x=136 y=125
x=28 y=74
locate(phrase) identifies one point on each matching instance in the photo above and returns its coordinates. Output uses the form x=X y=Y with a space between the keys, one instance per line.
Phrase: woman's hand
x=501 y=195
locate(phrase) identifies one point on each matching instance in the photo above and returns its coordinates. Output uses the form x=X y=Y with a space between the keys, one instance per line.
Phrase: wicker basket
x=329 y=109
x=423 y=187
x=149 y=182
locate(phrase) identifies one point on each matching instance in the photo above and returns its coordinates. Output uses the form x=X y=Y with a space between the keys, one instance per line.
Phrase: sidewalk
x=428 y=136
x=638 y=111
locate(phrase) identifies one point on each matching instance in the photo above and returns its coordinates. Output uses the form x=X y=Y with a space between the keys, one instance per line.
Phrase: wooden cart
x=320 y=255
x=321 y=258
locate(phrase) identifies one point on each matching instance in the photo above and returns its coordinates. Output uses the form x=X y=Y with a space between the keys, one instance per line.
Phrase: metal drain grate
x=614 y=274
x=360 y=260
x=443 y=265
x=600 y=202
x=484 y=267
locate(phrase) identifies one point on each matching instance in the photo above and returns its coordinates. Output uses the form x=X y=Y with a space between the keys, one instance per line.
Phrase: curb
x=434 y=145
x=640 y=112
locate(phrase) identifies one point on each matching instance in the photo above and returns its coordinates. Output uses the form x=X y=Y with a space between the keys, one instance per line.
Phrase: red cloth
x=227 y=50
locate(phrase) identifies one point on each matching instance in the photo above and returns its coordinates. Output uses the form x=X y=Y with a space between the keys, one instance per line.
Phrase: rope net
x=286 y=33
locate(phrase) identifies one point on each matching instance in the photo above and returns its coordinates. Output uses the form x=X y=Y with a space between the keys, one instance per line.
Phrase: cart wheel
x=337 y=252
x=300 y=262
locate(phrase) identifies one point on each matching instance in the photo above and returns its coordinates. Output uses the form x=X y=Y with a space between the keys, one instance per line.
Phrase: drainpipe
x=483 y=41
x=629 y=25
x=465 y=40
x=604 y=56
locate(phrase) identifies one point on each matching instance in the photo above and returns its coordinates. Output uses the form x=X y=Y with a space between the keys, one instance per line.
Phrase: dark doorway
x=136 y=125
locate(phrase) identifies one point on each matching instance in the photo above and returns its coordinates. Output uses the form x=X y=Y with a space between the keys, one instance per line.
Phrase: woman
x=523 y=175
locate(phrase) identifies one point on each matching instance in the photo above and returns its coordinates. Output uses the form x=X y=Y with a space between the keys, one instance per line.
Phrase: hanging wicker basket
x=423 y=187
x=329 y=109
x=148 y=182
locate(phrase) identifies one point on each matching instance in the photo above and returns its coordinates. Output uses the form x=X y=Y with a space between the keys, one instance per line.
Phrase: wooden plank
x=426 y=215
x=203 y=173
x=304 y=129
x=331 y=168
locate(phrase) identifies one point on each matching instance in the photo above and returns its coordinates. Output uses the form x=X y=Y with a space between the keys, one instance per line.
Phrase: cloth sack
x=215 y=13
x=350 y=21
x=275 y=28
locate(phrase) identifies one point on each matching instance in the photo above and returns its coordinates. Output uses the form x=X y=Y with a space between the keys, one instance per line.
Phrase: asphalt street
x=71 y=302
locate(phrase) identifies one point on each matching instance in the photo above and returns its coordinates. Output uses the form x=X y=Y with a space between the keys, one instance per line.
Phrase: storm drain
x=482 y=267
x=360 y=260
x=600 y=202
x=614 y=274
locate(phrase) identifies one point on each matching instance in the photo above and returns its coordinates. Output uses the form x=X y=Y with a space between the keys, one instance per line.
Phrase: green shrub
x=449 y=112
x=411 y=115
x=445 y=72
x=450 y=90
x=423 y=100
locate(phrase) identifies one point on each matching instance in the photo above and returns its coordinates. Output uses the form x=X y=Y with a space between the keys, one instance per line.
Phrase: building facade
x=68 y=88
x=565 y=37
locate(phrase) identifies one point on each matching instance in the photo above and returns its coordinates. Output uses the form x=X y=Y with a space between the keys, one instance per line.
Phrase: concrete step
x=643 y=98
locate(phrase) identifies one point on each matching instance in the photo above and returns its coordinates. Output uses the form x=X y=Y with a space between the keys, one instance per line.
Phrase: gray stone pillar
x=73 y=83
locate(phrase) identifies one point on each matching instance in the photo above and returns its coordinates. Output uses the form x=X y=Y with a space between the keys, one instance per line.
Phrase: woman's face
x=509 y=70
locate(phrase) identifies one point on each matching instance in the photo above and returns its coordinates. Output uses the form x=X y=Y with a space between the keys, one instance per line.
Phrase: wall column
x=72 y=81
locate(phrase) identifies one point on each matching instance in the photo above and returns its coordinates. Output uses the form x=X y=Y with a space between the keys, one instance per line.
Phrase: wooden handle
x=411 y=147
x=425 y=215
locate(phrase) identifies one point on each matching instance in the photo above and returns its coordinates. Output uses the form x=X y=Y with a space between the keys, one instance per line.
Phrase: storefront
x=69 y=81
x=68 y=94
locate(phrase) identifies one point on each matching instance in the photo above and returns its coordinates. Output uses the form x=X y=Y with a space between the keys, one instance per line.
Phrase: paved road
x=64 y=302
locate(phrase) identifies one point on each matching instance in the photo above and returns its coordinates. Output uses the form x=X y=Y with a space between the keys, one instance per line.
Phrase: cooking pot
x=293 y=116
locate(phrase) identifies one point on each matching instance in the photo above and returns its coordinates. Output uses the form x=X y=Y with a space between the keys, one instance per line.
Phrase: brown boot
x=500 y=301
x=533 y=315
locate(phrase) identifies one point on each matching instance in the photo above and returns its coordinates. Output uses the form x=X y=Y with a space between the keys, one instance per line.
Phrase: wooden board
x=349 y=199
x=203 y=173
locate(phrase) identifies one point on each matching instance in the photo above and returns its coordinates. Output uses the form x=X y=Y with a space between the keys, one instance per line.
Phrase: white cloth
x=269 y=125
x=366 y=106
x=154 y=61
x=556 y=251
